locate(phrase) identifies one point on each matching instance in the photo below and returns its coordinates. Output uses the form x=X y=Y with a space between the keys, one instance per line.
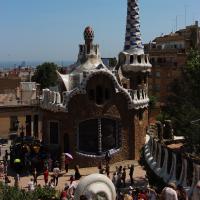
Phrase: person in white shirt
x=169 y=192
x=31 y=186
x=56 y=173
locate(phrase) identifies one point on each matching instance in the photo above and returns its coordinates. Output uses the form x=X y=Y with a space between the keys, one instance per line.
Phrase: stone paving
x=139 y=175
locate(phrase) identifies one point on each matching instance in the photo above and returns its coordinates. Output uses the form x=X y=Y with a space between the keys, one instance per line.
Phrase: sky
x=51 y=30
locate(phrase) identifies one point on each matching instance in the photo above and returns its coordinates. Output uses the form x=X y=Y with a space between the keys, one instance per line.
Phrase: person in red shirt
x=65 y=194
x=46 y=176
x=142 y=195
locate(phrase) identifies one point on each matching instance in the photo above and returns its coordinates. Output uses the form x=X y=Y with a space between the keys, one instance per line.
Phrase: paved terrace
x=139 y=175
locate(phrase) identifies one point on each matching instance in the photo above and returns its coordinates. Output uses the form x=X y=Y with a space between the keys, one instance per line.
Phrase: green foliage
x=8 y=193
x=152 y=102
x=45 y=75
x=113 y=62
x=183 y=105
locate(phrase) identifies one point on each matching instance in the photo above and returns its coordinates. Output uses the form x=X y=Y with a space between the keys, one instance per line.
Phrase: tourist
x=5 y=167
x=72 y=186
x=1 y=169
x=128 y=197
x=56 y=173
x=46 y=164
x=107 y=170
x=119 y=180
x=77 y=174
x=6 y=179
x=107 y=157
x=31 y=186
x=64 y=194
x=67 y=161
x=46 y=176
x=119 y=170
x=100 y=167
x=131 y=171
x=6 y=156
x=35 y=174
x=114 y=179
x=17 y=179
x=50 y=161
x=181 y=193
x=142 y=195
x=51 y=183
x=17 y=165
x=169 y=192
x=124 y=177
x=151 y=194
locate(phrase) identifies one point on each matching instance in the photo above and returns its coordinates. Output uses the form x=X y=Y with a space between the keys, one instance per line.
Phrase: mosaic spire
x=133 y=35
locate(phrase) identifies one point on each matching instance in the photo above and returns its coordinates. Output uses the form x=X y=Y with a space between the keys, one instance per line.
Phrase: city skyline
x=36 y=30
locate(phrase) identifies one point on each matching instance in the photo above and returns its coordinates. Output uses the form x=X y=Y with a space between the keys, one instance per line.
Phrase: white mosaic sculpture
x=96 y=187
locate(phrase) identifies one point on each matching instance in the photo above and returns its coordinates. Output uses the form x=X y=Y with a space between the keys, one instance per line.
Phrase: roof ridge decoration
x=133 y=40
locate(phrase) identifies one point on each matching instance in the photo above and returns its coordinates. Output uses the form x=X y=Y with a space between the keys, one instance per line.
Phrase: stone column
x=153 y=165
x=184 y=175
x=163 y=172
x=172 y=176
x=182 y=172
x=151 y=145
x=99 y=137
x=159 y=155
x=61 y=145
x=40 y=126
x=155 y=150
x=196 y=176
x=32 y=125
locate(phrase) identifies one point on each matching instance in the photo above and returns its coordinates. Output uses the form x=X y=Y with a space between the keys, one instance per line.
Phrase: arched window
x=107 y=94
x=99 y=95
x=131 y=59
x=97 y=136
x=88 y=136
x=91 y=94
x=139 y=59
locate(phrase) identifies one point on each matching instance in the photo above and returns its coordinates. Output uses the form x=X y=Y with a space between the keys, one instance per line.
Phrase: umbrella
x=69 y=156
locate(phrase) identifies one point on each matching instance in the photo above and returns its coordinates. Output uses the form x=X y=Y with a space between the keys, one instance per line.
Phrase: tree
x=183 y=105
x=152 y=104
x=45 y=75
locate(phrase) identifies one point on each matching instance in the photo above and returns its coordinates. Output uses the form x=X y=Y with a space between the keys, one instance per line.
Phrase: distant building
x=19 y=110
x=168 y=55
x=22 y=73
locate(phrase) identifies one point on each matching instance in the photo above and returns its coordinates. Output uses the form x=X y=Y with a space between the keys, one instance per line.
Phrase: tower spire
x=133 y=39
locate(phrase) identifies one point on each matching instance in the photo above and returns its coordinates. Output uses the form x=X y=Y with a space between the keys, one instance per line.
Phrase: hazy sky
x=50 y=30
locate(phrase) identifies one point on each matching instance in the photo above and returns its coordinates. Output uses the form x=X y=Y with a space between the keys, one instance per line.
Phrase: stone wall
x=182 y=169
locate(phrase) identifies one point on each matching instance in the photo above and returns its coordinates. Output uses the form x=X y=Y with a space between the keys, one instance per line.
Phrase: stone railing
x=139 y=97
x=51 y=101
x=155 y=151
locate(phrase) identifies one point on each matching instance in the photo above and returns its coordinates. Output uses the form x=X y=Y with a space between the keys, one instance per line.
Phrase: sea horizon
x=14 y=64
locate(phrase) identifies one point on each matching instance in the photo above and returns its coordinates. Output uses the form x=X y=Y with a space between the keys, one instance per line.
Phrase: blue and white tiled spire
x=133 y=39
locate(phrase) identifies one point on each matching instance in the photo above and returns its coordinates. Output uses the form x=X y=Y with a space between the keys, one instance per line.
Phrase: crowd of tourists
x=122 y=178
